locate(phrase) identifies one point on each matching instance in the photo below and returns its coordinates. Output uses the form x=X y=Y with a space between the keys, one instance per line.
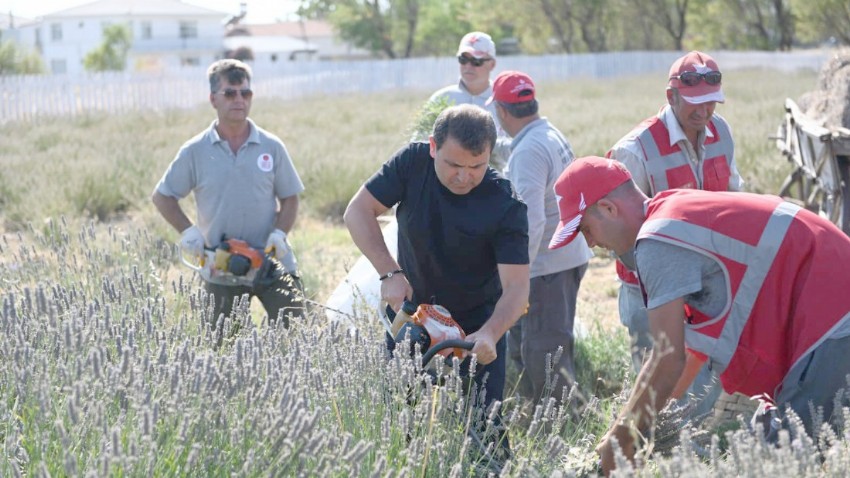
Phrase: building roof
x=268 y=44
x=298 y=29
x=112 y=8
x=13 y=21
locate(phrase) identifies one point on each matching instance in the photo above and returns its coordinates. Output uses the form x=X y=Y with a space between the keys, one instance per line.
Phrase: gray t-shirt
x=540 y=153
x=668 y=272
x=235 y=194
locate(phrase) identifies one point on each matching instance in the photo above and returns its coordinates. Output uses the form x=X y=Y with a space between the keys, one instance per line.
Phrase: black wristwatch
x=390 y=274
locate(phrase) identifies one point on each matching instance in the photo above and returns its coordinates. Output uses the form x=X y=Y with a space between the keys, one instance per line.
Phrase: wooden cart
x=820 y=180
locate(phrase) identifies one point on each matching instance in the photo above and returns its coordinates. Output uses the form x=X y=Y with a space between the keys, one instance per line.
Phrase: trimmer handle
x=446 y=344
x=208 y=256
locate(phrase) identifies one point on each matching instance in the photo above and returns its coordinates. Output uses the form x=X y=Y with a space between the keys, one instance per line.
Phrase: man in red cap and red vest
x=686 y=145
x=742 y=281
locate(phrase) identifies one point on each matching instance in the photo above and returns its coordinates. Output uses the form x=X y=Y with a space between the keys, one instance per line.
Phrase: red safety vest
x=668 y=167
x=780 y=261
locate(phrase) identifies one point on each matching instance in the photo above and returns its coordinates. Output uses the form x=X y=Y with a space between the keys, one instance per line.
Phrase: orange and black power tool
x=432 y=327
x=237 y=257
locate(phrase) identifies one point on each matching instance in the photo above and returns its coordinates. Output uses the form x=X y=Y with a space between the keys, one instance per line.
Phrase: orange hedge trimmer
x=432 y=327
x=233 y=261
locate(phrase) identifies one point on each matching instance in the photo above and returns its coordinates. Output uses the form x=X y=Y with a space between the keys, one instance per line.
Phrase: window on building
x=188 y=30
x=147 y=31
x=56 y=31
x=58 y=66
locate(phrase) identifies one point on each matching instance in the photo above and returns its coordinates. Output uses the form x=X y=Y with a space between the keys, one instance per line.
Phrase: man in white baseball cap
x=476 y=56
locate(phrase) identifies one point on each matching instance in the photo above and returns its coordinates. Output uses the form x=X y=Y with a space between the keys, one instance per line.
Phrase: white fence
x=27 y=98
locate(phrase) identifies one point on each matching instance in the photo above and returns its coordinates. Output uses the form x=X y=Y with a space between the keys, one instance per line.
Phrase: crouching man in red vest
x=751 y=284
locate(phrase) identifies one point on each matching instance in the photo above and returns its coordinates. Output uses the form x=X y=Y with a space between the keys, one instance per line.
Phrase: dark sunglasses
x=692 y=78
x=475 y=61
x=230 y=93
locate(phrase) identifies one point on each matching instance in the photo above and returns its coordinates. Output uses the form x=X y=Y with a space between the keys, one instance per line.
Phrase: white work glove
x=277 y=244
x=192 y=242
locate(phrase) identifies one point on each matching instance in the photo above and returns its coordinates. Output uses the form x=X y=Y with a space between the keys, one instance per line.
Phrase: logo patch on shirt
x=265 y=162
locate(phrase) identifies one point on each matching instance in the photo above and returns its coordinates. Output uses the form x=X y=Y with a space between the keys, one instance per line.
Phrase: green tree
x=589 y=19
x=442 y=23
x=385 y=27
x=17 y=60
x=743 y=24
x=821 y=19
x=670 y=15
x=111 y=55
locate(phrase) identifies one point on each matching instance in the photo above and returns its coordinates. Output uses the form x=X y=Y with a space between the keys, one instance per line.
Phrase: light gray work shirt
x=236 y=194
x=539 y=154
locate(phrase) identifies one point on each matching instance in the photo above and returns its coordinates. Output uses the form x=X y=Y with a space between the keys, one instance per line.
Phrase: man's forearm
x=171 y=211
x=653 y=387
x=510 y=306
x=288 y=213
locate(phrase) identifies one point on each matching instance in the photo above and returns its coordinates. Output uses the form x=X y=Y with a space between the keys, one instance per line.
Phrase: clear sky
x=259 y=11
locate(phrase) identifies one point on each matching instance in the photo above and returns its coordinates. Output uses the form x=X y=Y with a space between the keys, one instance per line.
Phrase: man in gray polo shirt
x=476 y=56
x=245 y=187
x=539 y=154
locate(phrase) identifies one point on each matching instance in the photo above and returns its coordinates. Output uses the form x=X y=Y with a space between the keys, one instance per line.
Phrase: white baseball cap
x=477 y=44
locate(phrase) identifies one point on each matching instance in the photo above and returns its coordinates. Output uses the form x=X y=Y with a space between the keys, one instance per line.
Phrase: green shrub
x=99 y=197
x=423 y=123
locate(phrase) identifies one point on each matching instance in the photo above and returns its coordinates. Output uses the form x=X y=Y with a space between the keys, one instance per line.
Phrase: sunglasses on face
x=692 y=78
x=475 y=61
x=231 y=93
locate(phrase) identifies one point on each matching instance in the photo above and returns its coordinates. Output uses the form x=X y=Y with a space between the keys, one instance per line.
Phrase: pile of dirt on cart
x=829 y=103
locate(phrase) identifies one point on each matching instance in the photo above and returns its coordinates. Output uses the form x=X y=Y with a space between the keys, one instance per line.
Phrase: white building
x=166 y=34
x=314 y=39
x=267 y=48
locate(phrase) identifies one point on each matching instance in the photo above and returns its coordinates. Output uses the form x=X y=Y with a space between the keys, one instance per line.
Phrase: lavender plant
x=112 y=369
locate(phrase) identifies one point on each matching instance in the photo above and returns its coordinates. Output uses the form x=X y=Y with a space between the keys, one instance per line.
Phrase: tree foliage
x=111 y=54
x=822 y=20
x=669 y=15
x=404 y=28
x=384 y=27
x=15 y=60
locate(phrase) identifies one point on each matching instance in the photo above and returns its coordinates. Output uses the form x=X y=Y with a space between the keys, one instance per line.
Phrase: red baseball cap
x=584 y=182
x=702 y=92
x=512 y=87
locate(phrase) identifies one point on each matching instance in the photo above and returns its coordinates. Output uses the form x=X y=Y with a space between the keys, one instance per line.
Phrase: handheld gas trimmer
x=432 y=327
x=233 y=261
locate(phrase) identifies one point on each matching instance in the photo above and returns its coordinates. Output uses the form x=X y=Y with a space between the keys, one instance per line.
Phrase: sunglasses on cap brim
x=692 y=78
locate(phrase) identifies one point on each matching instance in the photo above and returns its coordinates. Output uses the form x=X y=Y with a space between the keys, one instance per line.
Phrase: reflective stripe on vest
x=779 y=261
x=758 y=259
x=668 y=167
